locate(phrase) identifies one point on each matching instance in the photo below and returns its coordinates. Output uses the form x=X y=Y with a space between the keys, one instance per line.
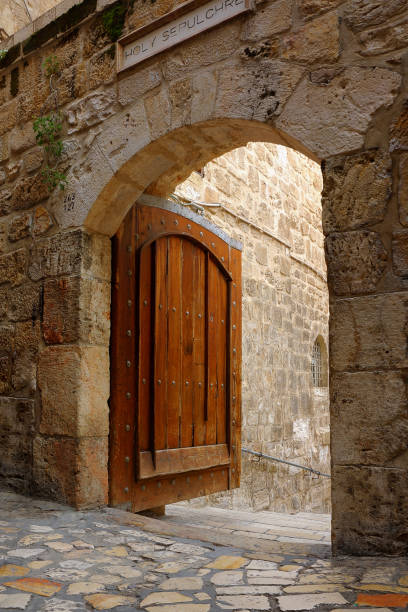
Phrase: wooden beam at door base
x=177 y=460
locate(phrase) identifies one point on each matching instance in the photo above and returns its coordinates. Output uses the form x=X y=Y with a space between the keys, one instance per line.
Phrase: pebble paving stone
x=54 y=559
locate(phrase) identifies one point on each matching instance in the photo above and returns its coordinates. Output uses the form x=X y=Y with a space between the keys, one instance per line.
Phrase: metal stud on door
x=176 y=350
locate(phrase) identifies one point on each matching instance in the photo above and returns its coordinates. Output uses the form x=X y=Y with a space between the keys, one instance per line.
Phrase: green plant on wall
x=48 y=131
x=3 y=53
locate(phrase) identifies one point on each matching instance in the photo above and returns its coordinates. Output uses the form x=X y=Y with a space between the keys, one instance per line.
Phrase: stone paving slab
x=114 y=560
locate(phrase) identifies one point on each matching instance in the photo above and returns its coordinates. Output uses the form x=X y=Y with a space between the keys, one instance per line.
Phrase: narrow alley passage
x=55 y=559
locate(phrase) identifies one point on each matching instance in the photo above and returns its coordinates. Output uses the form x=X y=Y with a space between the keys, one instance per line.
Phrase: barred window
x=317 y=366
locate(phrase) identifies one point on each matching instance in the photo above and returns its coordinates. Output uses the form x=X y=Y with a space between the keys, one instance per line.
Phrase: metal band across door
x=175 y=424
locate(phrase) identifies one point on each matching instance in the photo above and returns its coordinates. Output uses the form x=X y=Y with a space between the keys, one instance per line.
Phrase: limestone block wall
x=16 y=14
x=285 y=308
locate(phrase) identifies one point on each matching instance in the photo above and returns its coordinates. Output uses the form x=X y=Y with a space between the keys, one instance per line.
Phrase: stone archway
x=293 y=77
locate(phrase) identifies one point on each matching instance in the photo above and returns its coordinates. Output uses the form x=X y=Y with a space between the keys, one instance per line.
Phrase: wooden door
x=175 y=358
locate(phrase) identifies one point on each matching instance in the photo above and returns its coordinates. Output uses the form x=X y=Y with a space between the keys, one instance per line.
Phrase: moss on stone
x=113 y=20
x=39 y=38
x=14 y=84
x=76 y=14
x=10 y=57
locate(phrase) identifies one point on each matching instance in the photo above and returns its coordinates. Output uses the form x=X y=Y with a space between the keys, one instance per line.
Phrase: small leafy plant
x=48 y=131
x=3 y=53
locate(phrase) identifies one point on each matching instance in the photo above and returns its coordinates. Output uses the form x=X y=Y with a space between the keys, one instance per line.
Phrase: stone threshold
x=254 y=545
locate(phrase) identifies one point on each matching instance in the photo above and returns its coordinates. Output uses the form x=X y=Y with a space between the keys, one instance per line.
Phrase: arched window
x=319 y=365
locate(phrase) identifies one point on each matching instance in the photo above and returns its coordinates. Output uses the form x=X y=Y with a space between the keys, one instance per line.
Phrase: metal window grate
x=317 y=374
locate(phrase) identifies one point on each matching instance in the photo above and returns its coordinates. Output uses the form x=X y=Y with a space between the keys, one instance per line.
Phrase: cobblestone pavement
x=58 y=560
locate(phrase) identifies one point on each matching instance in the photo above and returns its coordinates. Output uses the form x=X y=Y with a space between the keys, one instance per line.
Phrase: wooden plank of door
x=186 y=422
x=212 y=349
x=146 y=374
x=180 y=460
x=160 y=344
x=174 y=353
x=199 y=346
x=221 y=324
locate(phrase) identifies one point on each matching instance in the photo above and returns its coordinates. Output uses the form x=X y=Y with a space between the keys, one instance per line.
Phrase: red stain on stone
x=389 y=599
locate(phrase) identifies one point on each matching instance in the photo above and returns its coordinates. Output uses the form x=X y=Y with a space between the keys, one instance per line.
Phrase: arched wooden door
x=175 y=358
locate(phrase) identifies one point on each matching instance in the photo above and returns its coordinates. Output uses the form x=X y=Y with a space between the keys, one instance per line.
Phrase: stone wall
x=285 y=308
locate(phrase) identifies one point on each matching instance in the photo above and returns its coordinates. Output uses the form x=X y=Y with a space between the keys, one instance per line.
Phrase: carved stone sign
x=184 y=22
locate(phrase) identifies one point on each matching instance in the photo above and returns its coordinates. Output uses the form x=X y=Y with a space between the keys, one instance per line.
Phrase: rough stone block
x=5 y=374
x=356 y=190
x=102 y=68
x=24 y=373
x=74 y=383
x=311 y=8
x=384 y=39
x=13 y=267
x=403 y=189
x=318 y=40
x=16 y=415
x=369 y=419
x=369 y=332
x=204 y=92
x=350 y=99
x=262 y=99
x=23 y=303
x=268 y=20
x=70 y=253
x=400 y=253
x=72 y=471
x=22 y=138
x=8 y=117
x=28 y=191
x=356 y=262
x=370 y=501
x=92 y=109
x=76 y=310
x=33 y=159
x=133 y=87
x=399 y=131
x=180 y=94
x=20 y=227
x=42 y=221
x=361 y=14
x=15 y=456
x=125 y=134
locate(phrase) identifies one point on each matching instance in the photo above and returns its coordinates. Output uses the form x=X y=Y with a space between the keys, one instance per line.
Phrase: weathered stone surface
x=399 y=131
x=356 y=261
x=268 y=20
x=158 y=112
x=403 y=189
x=369 y=500
x=384 y=39
x=74 y=385
x=20 y=227
x=27 y=340
x=361 y=14
x=70 y=253
x=85 y=485
x=312 y=8
x=22 y=138
x=333 y=119
x=180 y=94
x=8 y=117
x=28 y=191
x=39 y=586
x=356 y=190
x=316 y=41
x=11 y=601
x=204 y=87
x=42 y=221
x=16 y=415
x=13 y=267
x=375 y=403
x=33 y=159
x=16 y=456
x=76 y=310
x=90 y=110
x=131 y=88
x=400 y=252
x=102 y=68
x=23 y=302
x=369 y=332
x=261 y=98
